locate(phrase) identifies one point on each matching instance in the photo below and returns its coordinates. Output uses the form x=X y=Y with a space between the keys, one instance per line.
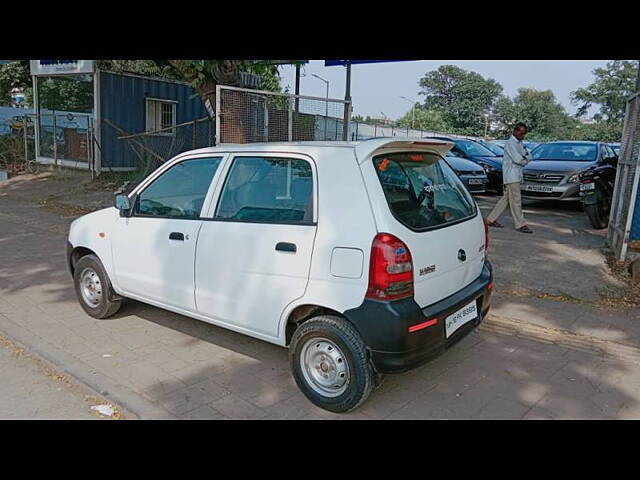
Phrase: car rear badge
x=426 y=270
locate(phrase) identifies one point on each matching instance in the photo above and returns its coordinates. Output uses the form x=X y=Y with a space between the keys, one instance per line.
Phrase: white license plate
x=537 y=188
x=475 y=181
x=587 y=186
x=462 y=316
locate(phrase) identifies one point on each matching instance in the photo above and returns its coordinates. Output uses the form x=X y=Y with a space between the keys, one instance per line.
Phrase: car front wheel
x=330 y=364
x=93 y=288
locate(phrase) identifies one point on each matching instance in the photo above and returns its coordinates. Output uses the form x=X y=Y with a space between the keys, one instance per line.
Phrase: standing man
x=515 y=158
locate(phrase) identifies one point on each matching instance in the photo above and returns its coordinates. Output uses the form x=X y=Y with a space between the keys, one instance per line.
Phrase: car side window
x=267 y=190
x=180 y=191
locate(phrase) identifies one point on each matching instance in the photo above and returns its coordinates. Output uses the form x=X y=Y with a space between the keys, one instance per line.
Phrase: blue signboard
x=333 y=63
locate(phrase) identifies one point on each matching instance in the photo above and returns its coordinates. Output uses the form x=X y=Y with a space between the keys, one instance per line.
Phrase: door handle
x=176 y=236
x=286 y=247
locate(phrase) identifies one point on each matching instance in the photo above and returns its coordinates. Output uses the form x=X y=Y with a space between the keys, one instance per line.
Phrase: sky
x=376 y=88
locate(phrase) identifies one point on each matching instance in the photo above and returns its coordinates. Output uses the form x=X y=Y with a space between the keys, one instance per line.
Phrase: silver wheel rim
x=90 y=287
x=324 y=367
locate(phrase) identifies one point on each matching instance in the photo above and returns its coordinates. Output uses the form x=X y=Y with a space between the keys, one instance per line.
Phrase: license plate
x=537 y=188
x=475 y=181
x=587 y=186
x=462 y=316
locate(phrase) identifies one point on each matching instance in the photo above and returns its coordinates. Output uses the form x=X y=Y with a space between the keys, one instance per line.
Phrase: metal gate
x=247 y=116
x=626 y=186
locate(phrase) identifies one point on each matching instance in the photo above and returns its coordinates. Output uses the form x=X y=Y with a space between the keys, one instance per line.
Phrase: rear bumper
x=384 y=325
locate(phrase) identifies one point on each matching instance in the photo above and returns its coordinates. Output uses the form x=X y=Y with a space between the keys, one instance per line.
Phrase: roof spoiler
x=367 y=148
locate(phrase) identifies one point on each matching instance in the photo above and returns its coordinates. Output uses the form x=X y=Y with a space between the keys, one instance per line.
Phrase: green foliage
x=597 y=131
x=539 y=110
x=612 y=86
x=14 y=75
x=72 y=93
x=462 y=97
x=423 y=119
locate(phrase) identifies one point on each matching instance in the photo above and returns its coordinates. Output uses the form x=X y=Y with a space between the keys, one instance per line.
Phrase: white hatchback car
x=363 y=258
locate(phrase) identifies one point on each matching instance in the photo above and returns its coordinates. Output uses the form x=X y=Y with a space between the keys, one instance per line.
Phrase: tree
x=14 y=74
x=462 y=97
x=612 y=86
x=539 y=110
x=423 y=119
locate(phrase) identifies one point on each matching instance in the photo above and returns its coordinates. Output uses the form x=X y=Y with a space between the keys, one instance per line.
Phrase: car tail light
x=486 y=236
x=390 y=269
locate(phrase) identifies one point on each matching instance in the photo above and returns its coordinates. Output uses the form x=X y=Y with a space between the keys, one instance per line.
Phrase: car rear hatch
x=417 y=198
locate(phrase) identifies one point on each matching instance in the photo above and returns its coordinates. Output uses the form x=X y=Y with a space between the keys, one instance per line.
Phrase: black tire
x=107 y=304
x=361 y=377
x=596 y=218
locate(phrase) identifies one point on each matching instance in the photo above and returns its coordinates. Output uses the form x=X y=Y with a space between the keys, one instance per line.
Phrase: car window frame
x=139 y=190
x=224 y=177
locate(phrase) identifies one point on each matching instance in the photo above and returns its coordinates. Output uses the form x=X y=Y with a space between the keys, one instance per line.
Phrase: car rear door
x=444 y=233
x=254 y=252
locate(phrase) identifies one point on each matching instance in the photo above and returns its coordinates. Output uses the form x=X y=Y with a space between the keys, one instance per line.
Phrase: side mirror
x=123 y=204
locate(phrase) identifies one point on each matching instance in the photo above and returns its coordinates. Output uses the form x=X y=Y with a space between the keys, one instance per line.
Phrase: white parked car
x=363 y=258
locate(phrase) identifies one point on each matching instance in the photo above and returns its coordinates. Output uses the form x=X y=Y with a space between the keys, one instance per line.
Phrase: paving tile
x=502 y=409
x=204 y=413
x=235 y=407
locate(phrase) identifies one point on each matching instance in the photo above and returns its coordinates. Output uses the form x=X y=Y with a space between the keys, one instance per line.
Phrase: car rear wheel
x=330 y=364
x=93 y=288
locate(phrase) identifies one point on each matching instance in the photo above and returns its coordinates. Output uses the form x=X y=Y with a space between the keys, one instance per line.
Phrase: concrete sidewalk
x=533 y=358
x=32 y=389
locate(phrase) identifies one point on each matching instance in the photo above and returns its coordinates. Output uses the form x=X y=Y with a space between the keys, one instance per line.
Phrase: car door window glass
x=265 y=189
x=180 y=191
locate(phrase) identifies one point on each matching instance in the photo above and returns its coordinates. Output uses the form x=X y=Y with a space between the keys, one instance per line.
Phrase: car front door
x=153 y=249
x=254 y=253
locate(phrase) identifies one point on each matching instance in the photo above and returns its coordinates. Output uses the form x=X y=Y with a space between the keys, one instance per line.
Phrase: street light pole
x=413 y=109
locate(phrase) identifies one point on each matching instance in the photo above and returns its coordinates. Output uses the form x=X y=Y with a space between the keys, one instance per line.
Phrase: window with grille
x=161 y=115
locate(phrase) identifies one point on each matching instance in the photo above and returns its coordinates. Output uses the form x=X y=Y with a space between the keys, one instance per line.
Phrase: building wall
x=122 y=102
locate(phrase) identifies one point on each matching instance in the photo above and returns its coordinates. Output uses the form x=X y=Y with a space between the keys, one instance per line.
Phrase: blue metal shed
x=123 y=99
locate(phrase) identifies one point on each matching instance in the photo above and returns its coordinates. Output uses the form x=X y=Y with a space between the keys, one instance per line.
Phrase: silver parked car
x=553 y=173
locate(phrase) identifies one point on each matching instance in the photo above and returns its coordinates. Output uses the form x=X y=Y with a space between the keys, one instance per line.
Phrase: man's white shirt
x=516 y=156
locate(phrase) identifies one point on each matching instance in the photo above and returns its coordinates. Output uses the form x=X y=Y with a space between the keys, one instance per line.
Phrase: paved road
x=163 y=365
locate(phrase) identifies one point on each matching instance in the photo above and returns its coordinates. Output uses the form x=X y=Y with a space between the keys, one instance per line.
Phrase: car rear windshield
x=422 y=191
x=576 y=152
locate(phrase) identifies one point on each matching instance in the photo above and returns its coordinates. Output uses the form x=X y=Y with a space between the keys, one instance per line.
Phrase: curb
x=133 y=405
x=564 y=338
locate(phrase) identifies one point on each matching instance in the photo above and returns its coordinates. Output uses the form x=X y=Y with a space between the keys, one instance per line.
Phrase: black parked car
x=476 y=152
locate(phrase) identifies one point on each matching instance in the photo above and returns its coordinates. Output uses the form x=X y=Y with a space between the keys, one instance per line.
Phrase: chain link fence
x=248 y=116
x=626 y=186
x=17 y=143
